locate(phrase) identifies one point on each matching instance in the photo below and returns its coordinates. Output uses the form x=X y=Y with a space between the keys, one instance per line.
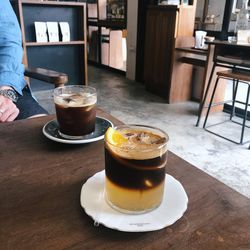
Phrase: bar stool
x=238 y=76
x=234 y=60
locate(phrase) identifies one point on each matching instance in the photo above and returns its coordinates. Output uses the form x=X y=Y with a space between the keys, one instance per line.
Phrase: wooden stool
x=238 y=76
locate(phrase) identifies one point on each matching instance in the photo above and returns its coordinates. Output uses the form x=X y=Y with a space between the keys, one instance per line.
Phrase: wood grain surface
x=40 y=183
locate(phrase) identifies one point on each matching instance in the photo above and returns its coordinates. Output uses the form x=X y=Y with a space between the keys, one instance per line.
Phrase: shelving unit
x=54 y=43
x=68 y=57
x=100 y=45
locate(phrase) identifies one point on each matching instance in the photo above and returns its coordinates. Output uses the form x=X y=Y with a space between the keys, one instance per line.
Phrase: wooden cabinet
x=68 y=57
x=167 y=27
x=107 y=33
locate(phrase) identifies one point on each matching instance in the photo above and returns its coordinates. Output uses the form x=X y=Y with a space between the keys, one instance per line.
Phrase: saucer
x=50 y=130
x=172 y=208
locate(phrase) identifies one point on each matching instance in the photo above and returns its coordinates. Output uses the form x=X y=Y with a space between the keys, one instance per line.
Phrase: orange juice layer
x=134 y=200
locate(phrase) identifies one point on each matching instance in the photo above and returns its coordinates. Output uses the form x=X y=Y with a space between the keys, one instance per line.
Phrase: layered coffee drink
x=75 y=110
x=135 y=160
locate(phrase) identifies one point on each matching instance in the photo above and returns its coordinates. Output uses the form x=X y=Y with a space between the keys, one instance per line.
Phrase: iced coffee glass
x=75 y=110
x=135 y=160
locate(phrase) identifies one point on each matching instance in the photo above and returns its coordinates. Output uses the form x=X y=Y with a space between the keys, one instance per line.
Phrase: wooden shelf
x=201 y=62
x=121 y=24
x=55 y=43
x=35 y=2
x=68 y=57
x=92 y=22
x=106 y=34
x=193 y=50
x=118 y=24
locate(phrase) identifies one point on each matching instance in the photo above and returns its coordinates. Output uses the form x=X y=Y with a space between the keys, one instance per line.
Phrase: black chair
x=49 y=76
x=239 y=76
x=226 y=57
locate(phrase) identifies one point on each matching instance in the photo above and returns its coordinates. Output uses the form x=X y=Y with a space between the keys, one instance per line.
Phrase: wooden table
x=40 y=183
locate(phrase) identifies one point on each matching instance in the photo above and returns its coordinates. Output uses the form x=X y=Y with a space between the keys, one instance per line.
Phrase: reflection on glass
x=215 y=13
x=209 y=14
x=237 y=5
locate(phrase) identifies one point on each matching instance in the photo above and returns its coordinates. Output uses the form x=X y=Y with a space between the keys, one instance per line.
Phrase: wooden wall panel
x=159 y=50
x=166 y=26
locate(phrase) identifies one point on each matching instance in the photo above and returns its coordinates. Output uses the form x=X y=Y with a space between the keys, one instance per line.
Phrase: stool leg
x=205 y=96
x=245 y=116
x=211 y=101
x=235 y=89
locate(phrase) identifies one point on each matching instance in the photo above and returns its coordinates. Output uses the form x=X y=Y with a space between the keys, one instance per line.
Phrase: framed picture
x=41 y=32
x=237 y=4
x=169 y=2
x=53 y=31
x=116 y=9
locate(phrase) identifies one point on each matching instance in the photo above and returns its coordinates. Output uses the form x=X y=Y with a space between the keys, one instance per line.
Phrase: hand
x=8 y=110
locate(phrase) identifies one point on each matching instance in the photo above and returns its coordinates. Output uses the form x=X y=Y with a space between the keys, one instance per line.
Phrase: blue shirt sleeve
x=11 y=51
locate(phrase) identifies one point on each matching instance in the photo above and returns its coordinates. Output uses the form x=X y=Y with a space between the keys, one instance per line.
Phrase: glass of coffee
x=135 y=160
x=75 y=110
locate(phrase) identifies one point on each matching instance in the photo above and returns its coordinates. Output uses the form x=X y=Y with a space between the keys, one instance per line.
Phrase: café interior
x=131 y=99
x=150 y=65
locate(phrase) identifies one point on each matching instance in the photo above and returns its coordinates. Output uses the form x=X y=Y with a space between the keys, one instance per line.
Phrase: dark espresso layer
x=76 y=121
x=135 y=174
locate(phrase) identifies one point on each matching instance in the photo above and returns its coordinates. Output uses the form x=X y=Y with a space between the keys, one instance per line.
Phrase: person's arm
x=11 y=52
x=11 y=67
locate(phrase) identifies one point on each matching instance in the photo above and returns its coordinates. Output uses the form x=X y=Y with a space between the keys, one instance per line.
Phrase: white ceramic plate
x=172 y=208
x=50 y=130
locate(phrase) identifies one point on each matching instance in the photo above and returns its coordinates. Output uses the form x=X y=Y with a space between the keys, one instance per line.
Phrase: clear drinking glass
x=75 y=110
x=135 y=160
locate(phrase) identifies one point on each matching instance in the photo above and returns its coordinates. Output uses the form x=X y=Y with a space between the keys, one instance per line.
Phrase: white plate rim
x=177 y=217
x=81 y=141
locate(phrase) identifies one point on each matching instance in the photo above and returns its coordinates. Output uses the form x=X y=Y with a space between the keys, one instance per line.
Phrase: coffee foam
x=75 y=100
x=140 y=145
